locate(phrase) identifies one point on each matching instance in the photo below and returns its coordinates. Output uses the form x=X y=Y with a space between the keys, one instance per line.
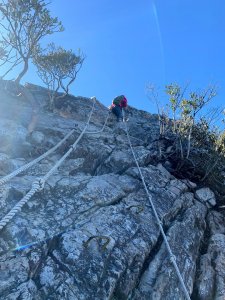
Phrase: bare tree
x=153 y=96
x=23 y=24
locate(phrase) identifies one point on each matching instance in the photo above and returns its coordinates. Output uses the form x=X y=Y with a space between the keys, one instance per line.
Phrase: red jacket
x=122 y=103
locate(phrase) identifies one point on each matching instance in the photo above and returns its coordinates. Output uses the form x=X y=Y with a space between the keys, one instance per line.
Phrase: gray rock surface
x=205 y=195
x=37 y=137
x=12 y=136
x=211 y=281
x=6 y=166
x=91 y=233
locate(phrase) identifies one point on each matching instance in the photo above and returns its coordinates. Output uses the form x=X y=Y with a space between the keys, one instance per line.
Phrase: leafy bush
x=198 y=145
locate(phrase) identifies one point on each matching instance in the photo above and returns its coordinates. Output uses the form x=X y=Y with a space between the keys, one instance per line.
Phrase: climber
x=117 y=107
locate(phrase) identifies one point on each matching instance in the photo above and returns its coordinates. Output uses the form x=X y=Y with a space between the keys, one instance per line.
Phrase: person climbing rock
x=117 y=107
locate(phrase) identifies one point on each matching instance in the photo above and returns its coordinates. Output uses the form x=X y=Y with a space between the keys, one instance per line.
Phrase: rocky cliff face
x=91 y=232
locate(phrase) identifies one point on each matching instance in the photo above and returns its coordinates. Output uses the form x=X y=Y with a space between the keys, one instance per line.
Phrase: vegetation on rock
x=196 y=137
x=58 y=69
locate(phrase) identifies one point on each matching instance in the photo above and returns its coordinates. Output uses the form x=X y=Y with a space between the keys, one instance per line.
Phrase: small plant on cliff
x=187 y=108
x=23 y=24
x=197 y=136
x=58 y=69
x=202 y=144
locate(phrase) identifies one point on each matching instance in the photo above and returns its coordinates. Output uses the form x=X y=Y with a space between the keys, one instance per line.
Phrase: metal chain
x=38 y=185
x=172 y=257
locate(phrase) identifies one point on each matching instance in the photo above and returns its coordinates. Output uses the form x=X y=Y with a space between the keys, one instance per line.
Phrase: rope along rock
x=38 y=185
x=172 y=257
x=35 y=161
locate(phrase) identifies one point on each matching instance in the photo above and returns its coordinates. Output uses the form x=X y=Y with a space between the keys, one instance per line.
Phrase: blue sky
x=130 y=43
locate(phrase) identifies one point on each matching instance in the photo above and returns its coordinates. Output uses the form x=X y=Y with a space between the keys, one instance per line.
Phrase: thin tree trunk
x=189 y=142
x=25 y=68
x=188 y=145
x=181 y=149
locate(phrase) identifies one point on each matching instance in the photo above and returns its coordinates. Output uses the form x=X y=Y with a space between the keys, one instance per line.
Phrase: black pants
x=117 y=110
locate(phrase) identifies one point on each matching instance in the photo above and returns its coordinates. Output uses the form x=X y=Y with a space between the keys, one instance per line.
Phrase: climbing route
x=172 y=257
x=38 y=184
x=6 y=178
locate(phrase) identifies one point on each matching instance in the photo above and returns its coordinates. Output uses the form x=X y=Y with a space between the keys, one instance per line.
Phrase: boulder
x=206 y=196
